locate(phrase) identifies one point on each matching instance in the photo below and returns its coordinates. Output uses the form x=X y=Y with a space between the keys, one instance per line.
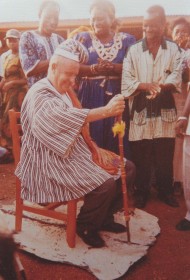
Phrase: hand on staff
x=115 y=106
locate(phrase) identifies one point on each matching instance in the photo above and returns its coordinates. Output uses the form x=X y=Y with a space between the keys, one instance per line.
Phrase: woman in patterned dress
x=100 y=78
x=37 y=46
x=14 y=87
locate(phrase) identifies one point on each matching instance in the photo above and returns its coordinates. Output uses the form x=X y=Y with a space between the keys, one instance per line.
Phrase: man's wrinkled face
x=65 y=72
x=153 y=27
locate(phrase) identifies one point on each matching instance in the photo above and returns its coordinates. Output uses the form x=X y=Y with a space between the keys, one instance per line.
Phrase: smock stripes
x=56 y=163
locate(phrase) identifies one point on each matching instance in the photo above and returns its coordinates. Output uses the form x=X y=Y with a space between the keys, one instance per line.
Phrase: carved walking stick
x=119 y=129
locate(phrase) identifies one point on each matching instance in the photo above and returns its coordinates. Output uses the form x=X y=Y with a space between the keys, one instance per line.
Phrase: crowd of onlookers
x=152 y=75
x=25 y=63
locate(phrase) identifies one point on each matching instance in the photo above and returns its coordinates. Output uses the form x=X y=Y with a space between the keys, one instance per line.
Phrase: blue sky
x=27 y=10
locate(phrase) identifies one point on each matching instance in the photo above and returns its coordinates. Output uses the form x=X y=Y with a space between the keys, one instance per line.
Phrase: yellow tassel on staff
x=119 y=129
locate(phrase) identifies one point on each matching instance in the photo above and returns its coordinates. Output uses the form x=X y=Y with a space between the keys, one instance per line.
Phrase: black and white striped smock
x=55 y=163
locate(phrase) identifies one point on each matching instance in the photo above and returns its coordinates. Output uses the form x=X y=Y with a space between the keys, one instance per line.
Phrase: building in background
x=131 y=25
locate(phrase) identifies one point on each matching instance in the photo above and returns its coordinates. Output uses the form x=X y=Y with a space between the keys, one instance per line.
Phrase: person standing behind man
x=37 y=46
x=13 y=86
x=100 y=77
x=183 y=131
x=151 y=74
x=180 y=31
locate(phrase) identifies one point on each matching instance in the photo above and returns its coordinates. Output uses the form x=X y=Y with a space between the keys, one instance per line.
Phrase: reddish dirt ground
x=167 y=259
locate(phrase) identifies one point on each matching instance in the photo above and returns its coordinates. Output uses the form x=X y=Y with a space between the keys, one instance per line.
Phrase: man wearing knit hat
x=56 y=163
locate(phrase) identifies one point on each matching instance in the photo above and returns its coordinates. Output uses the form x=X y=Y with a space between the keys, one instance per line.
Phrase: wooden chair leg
x=19 y=207
x=71 y=223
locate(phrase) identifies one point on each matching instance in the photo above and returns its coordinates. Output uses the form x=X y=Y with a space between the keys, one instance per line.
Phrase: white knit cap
x=73 y=50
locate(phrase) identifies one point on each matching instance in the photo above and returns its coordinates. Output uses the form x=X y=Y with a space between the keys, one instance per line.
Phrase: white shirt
x=139 y=66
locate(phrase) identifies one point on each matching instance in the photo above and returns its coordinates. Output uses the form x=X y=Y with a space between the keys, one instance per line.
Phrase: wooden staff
x=120 y=132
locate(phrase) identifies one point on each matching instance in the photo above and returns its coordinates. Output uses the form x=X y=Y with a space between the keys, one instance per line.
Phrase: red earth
x=167 y=259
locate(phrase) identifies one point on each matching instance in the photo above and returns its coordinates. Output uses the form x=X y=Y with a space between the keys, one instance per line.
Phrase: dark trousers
x=100 y=204
x=159 y=153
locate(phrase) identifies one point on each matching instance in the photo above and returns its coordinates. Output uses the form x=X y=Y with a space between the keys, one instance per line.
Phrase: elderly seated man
x=56 y=162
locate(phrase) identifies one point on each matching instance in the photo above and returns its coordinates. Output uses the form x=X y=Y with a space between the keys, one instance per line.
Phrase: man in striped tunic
x=151 y=74
x=56 y=163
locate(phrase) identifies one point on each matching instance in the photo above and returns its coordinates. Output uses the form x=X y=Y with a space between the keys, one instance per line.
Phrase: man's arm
x=30 y=61
x=173 y=81
x=129 y=83
x=41 y=67
x=186 y=109
x=115 y=107
x=182 y=121
x=62 y=125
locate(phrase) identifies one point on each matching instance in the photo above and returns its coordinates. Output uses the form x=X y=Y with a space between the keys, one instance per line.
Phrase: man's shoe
x=91 y=238
x=183 y=225
x=114 y=227
x=140 y=202
x=169 y=200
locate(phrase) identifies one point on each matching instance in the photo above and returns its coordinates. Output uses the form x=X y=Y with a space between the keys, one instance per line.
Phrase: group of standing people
x=115 y=75
x=25 y=63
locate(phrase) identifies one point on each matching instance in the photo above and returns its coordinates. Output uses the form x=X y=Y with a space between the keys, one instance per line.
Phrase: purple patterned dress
x=33 y=48
x=97 y=91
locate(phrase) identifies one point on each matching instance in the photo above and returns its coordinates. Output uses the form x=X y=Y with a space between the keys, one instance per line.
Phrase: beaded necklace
x=110 y=50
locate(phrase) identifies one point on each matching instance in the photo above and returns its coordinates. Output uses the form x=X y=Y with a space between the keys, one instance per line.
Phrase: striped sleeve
x=129 y=83
x=57 y=126
x=176 y=67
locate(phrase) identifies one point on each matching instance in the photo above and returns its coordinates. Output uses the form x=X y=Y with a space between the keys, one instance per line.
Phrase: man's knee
x=108 y=187
x=104 y=194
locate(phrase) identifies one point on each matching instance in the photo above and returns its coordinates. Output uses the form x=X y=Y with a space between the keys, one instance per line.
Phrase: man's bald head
x=62 y=73
x=64 y=64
